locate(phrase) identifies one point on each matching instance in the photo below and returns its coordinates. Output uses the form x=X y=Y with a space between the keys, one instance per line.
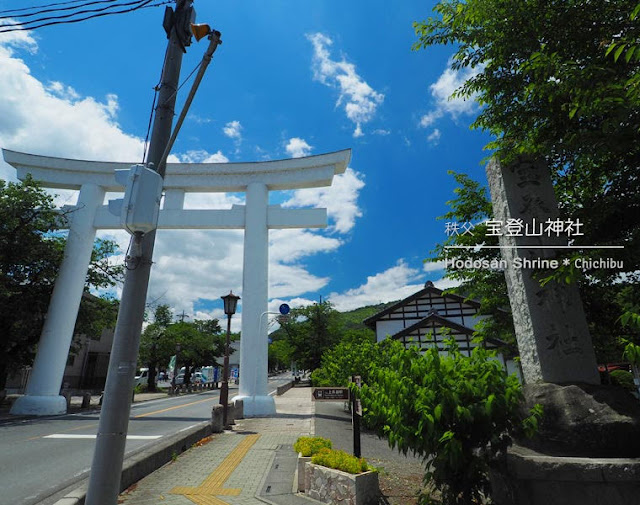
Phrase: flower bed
x=335 y=477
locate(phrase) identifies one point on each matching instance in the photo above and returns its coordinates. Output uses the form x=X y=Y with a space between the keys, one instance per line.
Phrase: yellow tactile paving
x=205 y=493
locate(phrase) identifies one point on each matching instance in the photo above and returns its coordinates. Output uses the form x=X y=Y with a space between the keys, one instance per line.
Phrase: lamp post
x=230 y=303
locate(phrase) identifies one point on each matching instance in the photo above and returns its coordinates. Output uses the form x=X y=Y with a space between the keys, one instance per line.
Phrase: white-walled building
x=428 y=317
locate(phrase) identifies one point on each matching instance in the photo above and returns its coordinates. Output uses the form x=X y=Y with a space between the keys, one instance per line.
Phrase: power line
x=42 y=6
x=142 y=4
x=36 y=13
x=85 y=11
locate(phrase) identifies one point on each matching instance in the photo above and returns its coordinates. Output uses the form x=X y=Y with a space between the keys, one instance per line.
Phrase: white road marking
x=187 y=428
x=129 y=437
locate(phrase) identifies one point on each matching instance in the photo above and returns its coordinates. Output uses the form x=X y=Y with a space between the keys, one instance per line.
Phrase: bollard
x=67 y=397
x=86 y=400
x=216 y=418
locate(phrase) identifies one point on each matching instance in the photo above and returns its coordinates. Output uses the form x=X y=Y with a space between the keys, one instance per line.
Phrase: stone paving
x=230 y=467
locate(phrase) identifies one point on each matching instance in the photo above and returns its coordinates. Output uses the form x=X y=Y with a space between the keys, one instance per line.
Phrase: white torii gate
x=94 y=178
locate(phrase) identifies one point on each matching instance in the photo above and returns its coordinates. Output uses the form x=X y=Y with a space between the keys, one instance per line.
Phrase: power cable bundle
x=71 y=11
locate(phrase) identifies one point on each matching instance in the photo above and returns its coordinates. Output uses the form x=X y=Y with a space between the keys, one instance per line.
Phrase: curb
x=141 y=464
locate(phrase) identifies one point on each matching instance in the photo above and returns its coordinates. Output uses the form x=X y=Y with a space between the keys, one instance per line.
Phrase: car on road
x=196 y=378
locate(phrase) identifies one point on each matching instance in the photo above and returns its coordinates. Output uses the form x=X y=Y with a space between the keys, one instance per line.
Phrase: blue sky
x=291 y=78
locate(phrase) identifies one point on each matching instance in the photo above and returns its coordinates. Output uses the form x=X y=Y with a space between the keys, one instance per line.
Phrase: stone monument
x=588 y=443
x=550 y=324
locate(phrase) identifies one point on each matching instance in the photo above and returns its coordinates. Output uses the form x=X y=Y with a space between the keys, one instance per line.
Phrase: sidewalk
x=249 y=465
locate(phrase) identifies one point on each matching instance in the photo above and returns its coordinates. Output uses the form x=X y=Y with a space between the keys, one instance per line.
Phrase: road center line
x=172 y=408
x=87 y=437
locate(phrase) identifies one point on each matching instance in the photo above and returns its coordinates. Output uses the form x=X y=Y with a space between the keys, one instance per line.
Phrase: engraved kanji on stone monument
x=550 y=325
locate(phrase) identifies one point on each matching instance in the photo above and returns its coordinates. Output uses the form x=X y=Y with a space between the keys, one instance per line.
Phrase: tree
x=148 y=352
x=30 y=254
x=280 y=352
x=352 y=356
x=549 y=90
x=310 y=331
x=201 y=342
x=455 y=412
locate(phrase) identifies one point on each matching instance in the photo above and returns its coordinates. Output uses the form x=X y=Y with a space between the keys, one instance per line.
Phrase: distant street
x=41 y=457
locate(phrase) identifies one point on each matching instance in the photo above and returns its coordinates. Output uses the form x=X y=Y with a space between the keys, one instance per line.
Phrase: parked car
x=142 y=378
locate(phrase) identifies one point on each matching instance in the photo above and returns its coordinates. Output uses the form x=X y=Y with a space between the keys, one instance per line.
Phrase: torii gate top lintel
x=291 y=173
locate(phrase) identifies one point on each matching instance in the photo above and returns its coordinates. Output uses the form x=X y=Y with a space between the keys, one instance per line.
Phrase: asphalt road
x=40 y=457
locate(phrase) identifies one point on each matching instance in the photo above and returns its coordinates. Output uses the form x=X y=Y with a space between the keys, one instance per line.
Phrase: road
x=41 y=457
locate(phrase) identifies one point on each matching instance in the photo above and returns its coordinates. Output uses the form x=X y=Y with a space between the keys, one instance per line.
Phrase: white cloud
x=433 y=266
x=341 y=199
x=199 y=119
x=382 y=132
x=202 y=156
x=395 y=283
x=233 y=130
x=434 y=137
x=360 y=100
x=297 y=147
x=52 y=119
x=441 y=91
x=289 y=246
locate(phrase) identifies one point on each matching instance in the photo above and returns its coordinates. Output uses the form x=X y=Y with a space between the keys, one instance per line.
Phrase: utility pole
x=182 y=316
x=104 y=482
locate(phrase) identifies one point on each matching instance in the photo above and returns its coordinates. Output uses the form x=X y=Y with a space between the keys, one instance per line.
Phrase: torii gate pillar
x=255 y=284
x=42 y=396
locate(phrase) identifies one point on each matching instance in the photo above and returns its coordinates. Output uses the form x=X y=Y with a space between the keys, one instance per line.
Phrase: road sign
x=284 y=309
x=330 y=394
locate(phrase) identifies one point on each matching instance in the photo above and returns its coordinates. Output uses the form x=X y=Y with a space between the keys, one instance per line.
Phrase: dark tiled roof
x=428 y=288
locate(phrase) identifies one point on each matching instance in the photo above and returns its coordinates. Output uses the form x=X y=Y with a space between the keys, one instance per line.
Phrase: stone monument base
x=39 y=405
x=532 y=478
x=257 y=406
x=584 y=420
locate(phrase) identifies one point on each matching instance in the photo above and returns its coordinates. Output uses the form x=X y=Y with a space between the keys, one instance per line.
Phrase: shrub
x=457 y=412
x=341 y=460
x=308 y=446
x=623 y=379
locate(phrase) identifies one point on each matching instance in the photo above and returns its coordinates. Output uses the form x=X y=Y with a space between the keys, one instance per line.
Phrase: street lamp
x=230 y=303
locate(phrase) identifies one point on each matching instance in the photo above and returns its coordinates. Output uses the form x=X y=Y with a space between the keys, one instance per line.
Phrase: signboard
x=330 y=394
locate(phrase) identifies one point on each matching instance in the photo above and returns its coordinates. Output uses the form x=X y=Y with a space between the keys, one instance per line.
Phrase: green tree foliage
x=280 y=352
x=201 y=342
x=149 y=352
x=352 y=356
x=30 y=256
x=456 y=412
x=548 y=89
x=488 y=286
x=310 y=331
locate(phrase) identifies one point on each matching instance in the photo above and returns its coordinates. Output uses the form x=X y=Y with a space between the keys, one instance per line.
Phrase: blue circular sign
x=284 y=309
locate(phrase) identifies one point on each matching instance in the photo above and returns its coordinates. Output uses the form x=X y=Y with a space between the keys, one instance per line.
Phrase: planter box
x=333 y=486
